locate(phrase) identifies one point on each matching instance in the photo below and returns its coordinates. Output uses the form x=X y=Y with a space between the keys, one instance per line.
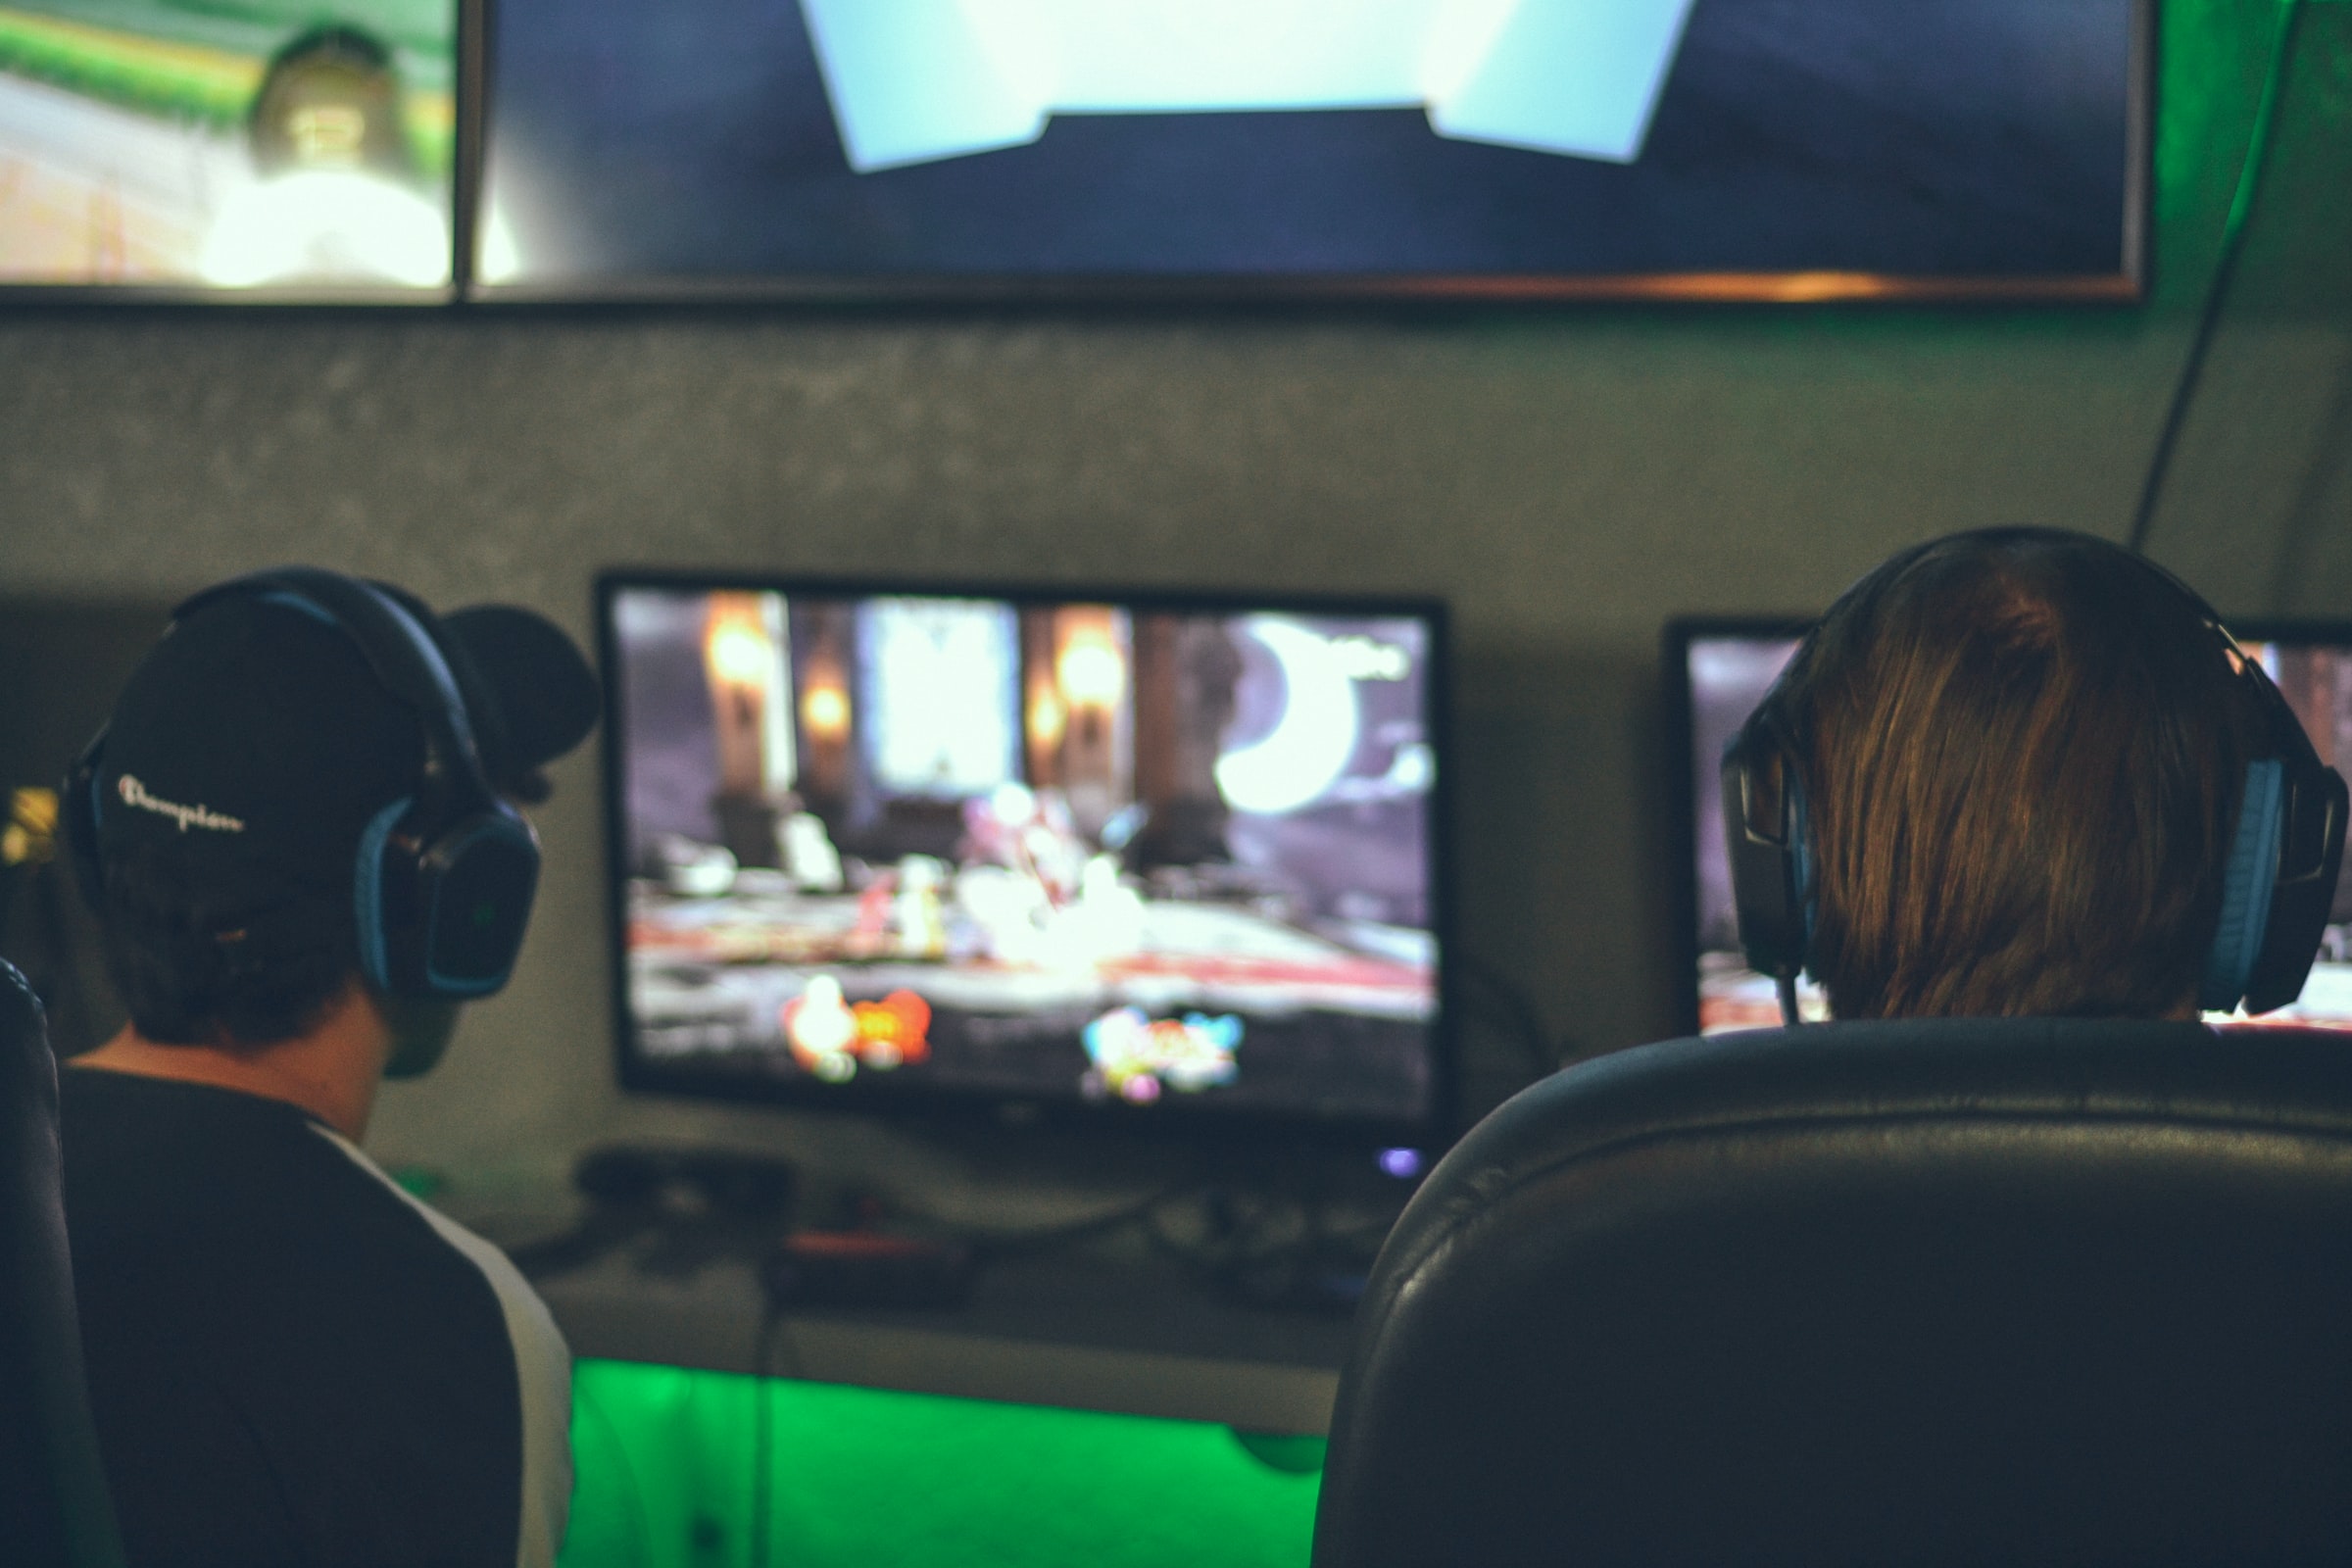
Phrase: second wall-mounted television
x=1718 y=670
x=1682 y=149
x=1176 y=860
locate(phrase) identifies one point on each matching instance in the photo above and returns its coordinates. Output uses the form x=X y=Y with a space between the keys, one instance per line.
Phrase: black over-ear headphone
x=443 y=880
x=2277 y=890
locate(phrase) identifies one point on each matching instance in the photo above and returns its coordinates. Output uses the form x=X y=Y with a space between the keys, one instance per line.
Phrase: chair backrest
x=1932 y=1293
x=54 y=1506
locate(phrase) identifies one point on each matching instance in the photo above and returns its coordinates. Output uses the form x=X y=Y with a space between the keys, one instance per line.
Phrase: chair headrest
x=1913 y=1067
x=2026 y=1291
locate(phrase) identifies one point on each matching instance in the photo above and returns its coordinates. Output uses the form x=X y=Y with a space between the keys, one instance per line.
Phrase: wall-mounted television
x=1683 y=149
x=1718 y=670
x=1172 y=858
x=261 y=148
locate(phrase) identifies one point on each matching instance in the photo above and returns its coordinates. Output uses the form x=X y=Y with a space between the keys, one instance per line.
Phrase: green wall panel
x=864 y=1477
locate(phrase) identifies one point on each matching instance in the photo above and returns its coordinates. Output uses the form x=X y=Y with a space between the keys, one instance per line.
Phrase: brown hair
x=2024 y=750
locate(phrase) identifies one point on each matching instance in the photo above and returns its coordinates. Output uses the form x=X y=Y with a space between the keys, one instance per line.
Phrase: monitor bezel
x=637 y=1074
x=1682 y=760
x=2126 y=284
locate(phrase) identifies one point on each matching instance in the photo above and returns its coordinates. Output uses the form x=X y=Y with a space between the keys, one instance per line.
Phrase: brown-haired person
x=2026 y=772
x=298 y=833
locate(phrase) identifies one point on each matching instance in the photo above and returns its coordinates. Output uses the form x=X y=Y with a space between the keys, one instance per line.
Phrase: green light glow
x=2213 y=56
x=864 y=1477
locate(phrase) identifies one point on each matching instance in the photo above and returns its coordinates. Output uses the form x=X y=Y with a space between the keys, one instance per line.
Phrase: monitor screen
x=1727 y=149
x=190 y=144
x=1721 y=670
x=1168 y=859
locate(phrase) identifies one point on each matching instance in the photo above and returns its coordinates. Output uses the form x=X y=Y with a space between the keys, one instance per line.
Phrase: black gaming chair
x=1930 y=1293
x=54 y=1507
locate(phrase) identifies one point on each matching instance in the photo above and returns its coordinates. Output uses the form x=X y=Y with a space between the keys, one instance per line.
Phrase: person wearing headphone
x=2028 y=772
x=298 y=832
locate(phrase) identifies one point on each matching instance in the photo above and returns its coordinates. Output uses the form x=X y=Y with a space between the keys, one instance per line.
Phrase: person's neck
x=330 y=1070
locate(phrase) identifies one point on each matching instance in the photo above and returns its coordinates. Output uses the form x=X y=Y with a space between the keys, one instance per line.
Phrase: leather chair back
x=54 y=1505
x=1935 y=1293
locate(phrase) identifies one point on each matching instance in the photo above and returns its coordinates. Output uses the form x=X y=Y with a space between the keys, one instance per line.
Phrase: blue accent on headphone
x=438 y=676
x=368 y=891
x=1800 y=852
x=288 y=599
x=2246 y=885
x=440 y=680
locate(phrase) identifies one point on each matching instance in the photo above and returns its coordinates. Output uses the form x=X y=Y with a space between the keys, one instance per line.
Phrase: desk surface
x=1070 y=1331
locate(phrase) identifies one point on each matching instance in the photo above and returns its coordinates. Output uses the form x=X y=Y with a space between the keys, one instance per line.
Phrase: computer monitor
x=1175 y=859
x=1717 y=671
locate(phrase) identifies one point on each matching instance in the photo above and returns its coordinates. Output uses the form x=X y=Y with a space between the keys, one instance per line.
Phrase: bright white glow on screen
x=914 y=81
x=1310 y=744
x=939 y=676
x=1091 y=671
x=501 y=260
x=322 y=223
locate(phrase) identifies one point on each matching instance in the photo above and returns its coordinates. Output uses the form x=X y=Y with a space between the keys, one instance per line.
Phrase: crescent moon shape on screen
x=1309 y=746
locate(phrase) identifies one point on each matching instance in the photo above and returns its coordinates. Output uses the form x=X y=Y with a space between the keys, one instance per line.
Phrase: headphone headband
x=399 y=652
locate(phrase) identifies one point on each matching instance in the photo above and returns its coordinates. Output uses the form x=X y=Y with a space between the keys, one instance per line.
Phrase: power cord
x=993 y=1245
x=1276 y=1253
x=586 y=1404
x=2234 y=234
x=774 y=1330
x=698 y=1205
x=1508 y=1004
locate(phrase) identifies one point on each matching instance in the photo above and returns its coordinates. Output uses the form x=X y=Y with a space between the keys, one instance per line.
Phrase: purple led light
x=1402 y=1163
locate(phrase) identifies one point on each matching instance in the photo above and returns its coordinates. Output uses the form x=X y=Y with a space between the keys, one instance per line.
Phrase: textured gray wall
x=1567 y=479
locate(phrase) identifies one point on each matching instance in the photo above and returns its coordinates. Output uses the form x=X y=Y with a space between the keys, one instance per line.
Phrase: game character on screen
x=910 y=844
x=299 y=833
x=2028 y=772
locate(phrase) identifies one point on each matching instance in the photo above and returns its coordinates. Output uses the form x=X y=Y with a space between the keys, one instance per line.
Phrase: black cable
x=1277 y=1253
x=1007 y=1244
x=2234 y=234
x=764 y=1354
x=597 y=1233
x=1516 y=1009
x=1785 y=987
x=1232 y=1245
x=587 y=1403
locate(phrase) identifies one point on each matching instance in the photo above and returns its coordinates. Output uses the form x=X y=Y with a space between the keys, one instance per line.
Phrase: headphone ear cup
x=444 y=920
x=1801 y=861
x=78 y=806
x=1765 y=842
x=475 y=890
x=2248 y=880
x=2308 y=864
